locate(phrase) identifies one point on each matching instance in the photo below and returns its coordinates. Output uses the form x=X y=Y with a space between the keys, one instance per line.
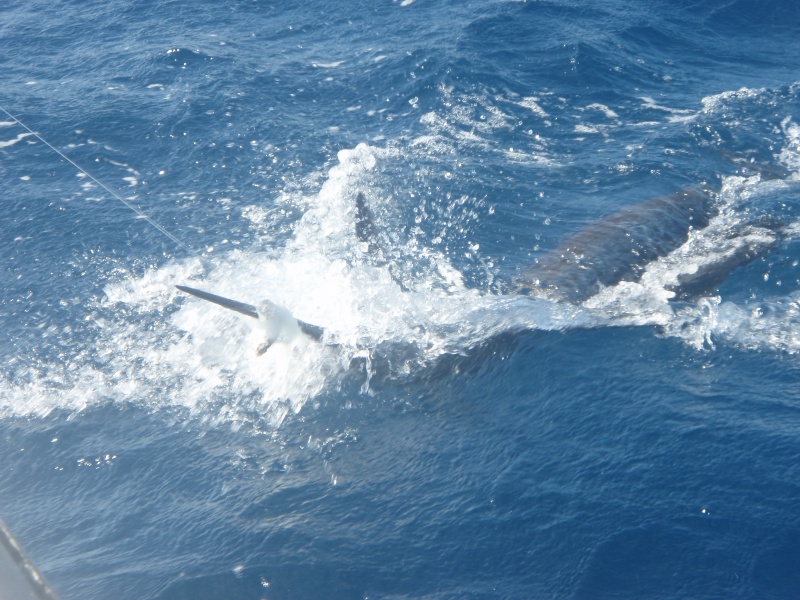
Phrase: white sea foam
x=587 y=128
x=19 y=138
x=603 y=109
x=532 y=104
x=147 y=343
x=146 y=337
x=327 y=65
x=789 y=155
x=715 y=102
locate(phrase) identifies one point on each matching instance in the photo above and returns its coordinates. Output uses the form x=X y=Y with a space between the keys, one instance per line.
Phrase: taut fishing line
x=133 y=207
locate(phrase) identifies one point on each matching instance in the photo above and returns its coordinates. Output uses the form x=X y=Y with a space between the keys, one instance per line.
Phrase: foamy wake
x=151 y=345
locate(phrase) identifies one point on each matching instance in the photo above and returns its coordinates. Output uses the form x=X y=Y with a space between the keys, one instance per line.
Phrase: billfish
x=604 y=253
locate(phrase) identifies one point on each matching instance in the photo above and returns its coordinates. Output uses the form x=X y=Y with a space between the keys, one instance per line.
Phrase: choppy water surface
x=449 y=437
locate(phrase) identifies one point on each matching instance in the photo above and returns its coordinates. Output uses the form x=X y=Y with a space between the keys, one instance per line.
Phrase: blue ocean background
x=452 y=439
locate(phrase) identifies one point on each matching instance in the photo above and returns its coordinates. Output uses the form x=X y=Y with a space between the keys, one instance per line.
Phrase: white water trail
x=150 y=345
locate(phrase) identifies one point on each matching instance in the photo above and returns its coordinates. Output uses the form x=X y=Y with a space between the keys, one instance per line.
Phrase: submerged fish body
x=620 y=247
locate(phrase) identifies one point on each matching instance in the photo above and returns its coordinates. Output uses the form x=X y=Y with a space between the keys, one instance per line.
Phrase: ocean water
x=449 y=437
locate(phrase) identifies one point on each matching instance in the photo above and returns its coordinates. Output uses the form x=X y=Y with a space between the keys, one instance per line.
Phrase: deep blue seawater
x=450 y=439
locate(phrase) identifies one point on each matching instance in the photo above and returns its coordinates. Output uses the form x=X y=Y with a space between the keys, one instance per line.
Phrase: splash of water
x=151 y=346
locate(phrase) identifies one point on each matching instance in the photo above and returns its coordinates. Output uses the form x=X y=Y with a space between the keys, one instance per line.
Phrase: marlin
x=606 y=252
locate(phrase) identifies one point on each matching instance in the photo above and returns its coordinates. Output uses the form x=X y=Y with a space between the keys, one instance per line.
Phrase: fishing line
x=132 y=207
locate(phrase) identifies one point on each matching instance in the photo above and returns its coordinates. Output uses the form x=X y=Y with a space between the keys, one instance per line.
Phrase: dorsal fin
x=367 y=232
x=365 y=225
